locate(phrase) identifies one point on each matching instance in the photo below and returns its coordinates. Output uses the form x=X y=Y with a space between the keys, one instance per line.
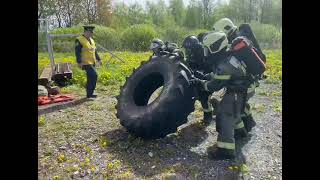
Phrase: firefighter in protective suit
x=160 y=48
x=195 y=59
x=232 y=32
x=229 y=74
x=157 y=46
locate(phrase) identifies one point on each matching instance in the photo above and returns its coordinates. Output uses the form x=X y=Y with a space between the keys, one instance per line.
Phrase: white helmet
x=225 y=25
x=215 y=41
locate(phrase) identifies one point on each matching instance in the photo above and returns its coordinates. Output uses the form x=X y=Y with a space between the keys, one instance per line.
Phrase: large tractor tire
x=168 y=111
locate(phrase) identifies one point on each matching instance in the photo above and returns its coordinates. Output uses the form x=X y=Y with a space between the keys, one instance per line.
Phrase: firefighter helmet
x=215 y=41
x=225 y=25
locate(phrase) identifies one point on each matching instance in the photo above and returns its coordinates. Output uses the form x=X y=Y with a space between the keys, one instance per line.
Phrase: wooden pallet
x=45 y=76
x=63 y=71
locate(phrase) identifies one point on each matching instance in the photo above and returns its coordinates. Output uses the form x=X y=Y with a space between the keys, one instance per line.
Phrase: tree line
x=197 y=14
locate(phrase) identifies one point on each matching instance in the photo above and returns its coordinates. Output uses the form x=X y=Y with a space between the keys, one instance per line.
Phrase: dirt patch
x=86 y=141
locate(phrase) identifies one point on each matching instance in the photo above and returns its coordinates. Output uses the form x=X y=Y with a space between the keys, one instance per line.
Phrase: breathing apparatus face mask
x=154 y=46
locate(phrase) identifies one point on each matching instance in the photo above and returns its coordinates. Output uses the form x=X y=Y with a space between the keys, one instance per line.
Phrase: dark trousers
x=92 y=77
x=246 y=114
x=228 y=119
x=204 y=98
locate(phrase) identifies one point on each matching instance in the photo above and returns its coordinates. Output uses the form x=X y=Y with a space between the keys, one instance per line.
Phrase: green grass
x=71 y=89
x=96 y=107
x=41 y=121
x=275 y=93
x=258 y=107
x=114 y=72
x=61 y=158
x=104 y=142
x=67 y=129
x=63 y=130
x=274 y=65
x=277 y=107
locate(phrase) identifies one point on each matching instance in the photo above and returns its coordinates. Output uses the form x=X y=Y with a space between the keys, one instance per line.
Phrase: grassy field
x=274 y=65
x=113 y=71
x=86 y=141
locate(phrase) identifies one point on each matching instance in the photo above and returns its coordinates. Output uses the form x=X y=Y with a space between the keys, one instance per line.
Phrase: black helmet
x=172 y=46
x=190 y=41
x=201 y=36
x=156 y=44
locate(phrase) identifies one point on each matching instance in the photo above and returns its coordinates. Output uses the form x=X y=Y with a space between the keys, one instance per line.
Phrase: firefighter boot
x=240 y=133
x=217 y=153
x=207 y=117
x=248 y=122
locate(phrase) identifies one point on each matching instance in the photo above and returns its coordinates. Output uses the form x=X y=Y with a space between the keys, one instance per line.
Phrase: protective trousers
x=229 y=119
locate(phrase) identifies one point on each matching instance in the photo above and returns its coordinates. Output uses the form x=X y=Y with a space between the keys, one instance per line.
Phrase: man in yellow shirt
x=87 y=55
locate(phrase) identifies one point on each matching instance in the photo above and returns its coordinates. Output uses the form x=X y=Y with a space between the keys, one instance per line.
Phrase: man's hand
x=207 y=76
x=197 y=82
x=198 y=74
x=99 y=63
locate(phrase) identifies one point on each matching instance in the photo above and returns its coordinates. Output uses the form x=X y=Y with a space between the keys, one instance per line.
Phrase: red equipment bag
x=43 y=100
x=244 y=51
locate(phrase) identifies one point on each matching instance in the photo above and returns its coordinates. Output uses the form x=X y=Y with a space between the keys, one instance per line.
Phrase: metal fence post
x=50 y=49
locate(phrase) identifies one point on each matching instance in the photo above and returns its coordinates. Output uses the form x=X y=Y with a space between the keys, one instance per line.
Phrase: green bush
x=105 y=36
x=175 y=34
x=266 y=33
x=138 y=37
x=198 y=31
x=160 y=32
x=65 y=44
x=70 y=30
x=42 y=42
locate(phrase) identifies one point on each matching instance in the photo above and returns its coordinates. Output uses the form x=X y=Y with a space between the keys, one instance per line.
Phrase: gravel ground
x=86 y=141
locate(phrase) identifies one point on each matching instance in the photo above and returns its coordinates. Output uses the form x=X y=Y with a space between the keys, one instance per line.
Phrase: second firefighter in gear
x=231 y=74
x=195 y=59
x=160 y=48
x=157 y=46
x=233 y=32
